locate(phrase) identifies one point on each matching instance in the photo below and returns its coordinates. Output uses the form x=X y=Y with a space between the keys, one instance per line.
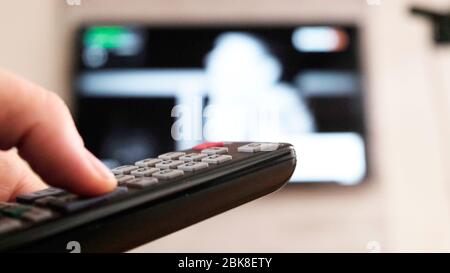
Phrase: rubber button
x=207 y=145
x=31 y=197
x=73 y=204
x=8 y=224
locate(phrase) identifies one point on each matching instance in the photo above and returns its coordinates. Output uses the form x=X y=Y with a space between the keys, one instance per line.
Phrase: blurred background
x=362 y=87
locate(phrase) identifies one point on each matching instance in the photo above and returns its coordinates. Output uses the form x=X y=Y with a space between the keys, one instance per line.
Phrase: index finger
x=39 y=124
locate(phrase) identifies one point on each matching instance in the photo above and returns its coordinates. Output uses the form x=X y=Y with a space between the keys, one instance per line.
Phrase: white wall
x=411 y=159
x=30 y=41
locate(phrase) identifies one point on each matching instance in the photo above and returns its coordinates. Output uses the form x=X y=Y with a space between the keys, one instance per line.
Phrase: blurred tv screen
x=142 y=90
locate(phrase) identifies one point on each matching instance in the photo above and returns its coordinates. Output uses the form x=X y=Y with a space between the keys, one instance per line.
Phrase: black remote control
x=155 y=197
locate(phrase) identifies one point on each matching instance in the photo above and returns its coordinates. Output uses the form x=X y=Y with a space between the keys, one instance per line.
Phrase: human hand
x=39 y=142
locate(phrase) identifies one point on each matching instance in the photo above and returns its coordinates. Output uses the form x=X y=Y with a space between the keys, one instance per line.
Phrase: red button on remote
x=207 y=145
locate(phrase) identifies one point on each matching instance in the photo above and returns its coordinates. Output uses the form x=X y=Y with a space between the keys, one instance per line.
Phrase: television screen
x=142 y=90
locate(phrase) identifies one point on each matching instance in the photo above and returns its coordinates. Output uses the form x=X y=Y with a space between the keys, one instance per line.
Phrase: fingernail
x=102 y=170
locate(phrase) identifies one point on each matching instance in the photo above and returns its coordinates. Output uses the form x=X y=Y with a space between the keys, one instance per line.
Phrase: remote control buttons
x=169 y=164
x=15 y=210
x=269 y=147
x=122 y=179
x=37 y=215
x=171 y=155
x=56 y=200
x=44 y=201
x=8 y=224
x=215 y=150
x=257 y=147
x=144 y=172
x=207 y=145
x=250 y=148
x=217 y=159
x=142 y=182
x=192 y=157
x=126 y=169
x=30 y=197
x=71 y=203
x=149 y=162
x=19 y=211
x=168 y=174
x=193 y=166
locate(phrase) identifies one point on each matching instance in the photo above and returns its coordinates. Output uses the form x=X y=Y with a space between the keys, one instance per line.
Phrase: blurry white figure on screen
x=246 y=99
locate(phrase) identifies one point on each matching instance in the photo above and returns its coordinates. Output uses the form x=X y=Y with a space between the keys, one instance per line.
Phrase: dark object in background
x=125 y=129
x=440 y=21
